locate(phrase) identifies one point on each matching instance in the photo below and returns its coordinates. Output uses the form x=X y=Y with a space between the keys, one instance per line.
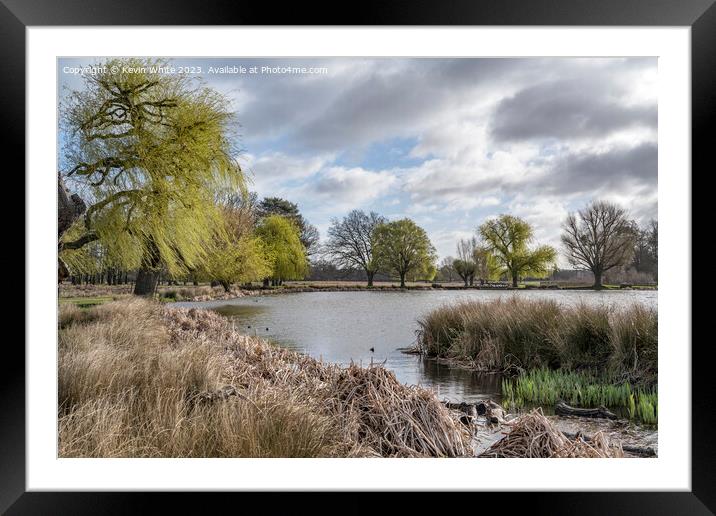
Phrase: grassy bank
x=139 y=379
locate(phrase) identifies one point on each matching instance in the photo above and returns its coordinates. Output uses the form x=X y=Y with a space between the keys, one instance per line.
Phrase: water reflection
x=342 y=327
x=459 y=383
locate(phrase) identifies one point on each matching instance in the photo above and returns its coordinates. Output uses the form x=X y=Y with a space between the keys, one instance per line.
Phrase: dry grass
x=134 y=378
x=69 y=290
x=534 y=436
x=527 y=334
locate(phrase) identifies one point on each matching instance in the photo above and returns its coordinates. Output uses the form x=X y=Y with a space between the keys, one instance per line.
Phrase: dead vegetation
x=533 y=435
x=137 y=379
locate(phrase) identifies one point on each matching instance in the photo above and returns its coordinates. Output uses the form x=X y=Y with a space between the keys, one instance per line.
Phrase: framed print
x=418 y=253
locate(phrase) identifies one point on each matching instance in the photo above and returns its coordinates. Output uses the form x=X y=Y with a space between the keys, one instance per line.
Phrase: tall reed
x=524 y=334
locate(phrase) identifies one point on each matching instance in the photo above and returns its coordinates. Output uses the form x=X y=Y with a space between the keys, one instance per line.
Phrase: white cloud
x=352 y=185
x=278 y=165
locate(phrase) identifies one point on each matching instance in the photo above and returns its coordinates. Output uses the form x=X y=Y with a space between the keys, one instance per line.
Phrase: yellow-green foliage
x=508 y=238
x=404 y=249
x=584 y=388
x=149 y=149
x=282 y=243
x=240 y=261
x=486 y=265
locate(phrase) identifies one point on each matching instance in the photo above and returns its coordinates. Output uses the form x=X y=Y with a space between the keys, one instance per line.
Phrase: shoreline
x=97 y=294
x=269 y=291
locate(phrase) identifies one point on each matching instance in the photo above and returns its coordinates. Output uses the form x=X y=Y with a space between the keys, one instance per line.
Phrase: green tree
x=150 y=149
x=403 y=248
x=278 y=206
x=282 y=243
x=487 y=267
x=507 y=238
x=243 y=256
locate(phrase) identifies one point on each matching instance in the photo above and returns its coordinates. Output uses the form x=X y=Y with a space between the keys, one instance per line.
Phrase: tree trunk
x=514 y=280
x=370 y=278
x=465 y=279
x=266 y=282
x=402 y=280
x=598 y=280
x=226 y=285
x=562 y=409
x=146 y=282
x=69 y=207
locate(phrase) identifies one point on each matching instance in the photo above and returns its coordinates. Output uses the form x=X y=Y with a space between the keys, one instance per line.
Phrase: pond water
x=342 y=327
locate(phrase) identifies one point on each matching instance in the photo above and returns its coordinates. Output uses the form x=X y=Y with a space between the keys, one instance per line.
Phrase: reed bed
x=533 y=435
x=518 y=334
x=582 y=389
x=137 y=379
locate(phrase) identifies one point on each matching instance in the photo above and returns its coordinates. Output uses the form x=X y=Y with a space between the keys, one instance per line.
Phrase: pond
x=342 y=327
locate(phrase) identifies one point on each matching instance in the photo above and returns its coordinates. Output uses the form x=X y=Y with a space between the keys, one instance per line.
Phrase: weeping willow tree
x=282 y=242
x=507 y=238
x=243 y=256
x=148 y=150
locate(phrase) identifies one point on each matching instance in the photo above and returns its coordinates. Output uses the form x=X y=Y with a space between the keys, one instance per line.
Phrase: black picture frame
x=700 y=15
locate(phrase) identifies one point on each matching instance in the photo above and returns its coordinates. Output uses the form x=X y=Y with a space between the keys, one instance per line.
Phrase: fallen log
x=562 y=409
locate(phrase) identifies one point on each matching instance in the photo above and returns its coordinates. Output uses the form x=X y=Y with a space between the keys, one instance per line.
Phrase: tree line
x=159 y=192
x=598 y=238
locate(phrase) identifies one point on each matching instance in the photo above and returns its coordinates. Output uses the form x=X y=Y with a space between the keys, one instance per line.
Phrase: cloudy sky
x=446 y=142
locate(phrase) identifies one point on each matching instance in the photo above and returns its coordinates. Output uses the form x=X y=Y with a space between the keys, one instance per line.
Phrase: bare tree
x=350 y=242
x=446 y=269
x=654 y=246
x=598 y=238
x=465 y=265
